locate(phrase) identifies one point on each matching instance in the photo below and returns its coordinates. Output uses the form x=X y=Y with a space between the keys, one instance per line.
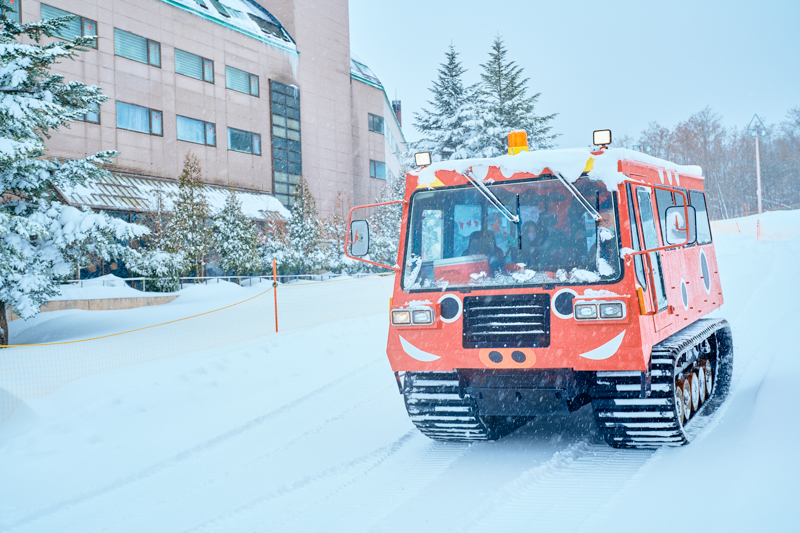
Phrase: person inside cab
x=483 y=242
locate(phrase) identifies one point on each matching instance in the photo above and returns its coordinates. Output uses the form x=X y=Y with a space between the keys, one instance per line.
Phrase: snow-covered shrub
x=164 y=266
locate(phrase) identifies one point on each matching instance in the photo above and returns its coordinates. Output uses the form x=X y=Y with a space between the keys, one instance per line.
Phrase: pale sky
x=616 y=65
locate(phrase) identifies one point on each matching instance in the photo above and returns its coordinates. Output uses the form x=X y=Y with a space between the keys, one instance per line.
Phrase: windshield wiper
x=494 y=200
x=578 y=196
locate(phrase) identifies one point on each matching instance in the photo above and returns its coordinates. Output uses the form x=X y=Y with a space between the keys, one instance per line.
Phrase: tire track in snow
x=186 y=455
x=559 y=494
x=365 y=463
x=380 y=490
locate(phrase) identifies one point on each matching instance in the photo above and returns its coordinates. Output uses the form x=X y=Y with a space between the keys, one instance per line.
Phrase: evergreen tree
x=236 y=238
x=504 y=106
x=190 y=231
x=42 y=240
x=302 y=252
x=152 y=260
x=157 y=219
x=450 y=126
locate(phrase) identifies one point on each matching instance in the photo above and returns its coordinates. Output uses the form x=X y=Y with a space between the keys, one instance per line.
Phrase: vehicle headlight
x=585 y=311
x=423 y=316
x=611 y=310
x=401 y=317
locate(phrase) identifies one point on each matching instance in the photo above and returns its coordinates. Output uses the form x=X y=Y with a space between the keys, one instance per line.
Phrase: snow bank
x=108 y=286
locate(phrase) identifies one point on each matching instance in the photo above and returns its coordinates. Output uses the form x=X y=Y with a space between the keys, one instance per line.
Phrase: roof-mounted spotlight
x=601 y=137
x=422 y=159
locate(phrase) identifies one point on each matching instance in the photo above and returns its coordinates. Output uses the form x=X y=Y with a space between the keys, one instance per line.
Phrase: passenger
x=482 y=242
x=527 y=253
x=552 y=244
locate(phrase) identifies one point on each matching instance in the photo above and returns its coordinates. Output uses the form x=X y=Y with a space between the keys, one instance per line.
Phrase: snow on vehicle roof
x=570 y=163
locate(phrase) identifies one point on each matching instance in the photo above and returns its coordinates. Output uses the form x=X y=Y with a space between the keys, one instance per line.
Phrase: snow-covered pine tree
x=152 y=260
x=303 y=253
x=236 y=238
x=504 y=106
x=449 y=127
x=190 y=230
x=41 y=239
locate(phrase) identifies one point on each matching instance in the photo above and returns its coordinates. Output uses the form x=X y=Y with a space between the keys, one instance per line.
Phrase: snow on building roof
x=124 y=192
x=244 y=16
x=570 y=163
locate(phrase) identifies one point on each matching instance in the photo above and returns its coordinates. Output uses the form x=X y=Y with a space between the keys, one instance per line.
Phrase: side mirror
x=359 y=237
x=677 y=226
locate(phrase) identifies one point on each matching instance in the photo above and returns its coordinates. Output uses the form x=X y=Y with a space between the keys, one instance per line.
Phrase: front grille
x=518 y=320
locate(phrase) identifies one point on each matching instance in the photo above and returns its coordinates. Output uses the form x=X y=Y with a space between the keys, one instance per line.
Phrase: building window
x=137 y=48
x=137 y=118
x=76 y=27
x=239 y=80
x=93 y=115
x=244 y=141
x=287 y=161
x=377 y=169
x=10 y=9
x=194 y=66
x=268 y=27
x=375 y=123
x=220 y=8
x=196 y=131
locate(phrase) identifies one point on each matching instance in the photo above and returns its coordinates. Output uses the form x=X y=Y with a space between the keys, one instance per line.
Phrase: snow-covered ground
x=305 y=431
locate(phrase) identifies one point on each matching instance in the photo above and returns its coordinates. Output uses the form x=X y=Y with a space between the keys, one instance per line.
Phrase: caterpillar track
x=661 y=407
x=440 y=412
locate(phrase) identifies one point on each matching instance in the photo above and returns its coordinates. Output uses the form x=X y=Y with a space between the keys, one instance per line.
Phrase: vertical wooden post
x=275 y=291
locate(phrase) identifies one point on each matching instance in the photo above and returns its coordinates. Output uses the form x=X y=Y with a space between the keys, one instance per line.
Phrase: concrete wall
x=99 y=304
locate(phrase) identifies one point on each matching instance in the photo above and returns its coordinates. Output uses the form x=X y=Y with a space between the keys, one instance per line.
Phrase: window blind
x=133 y=117
x=130 y=45
x=191 y=130
x=188 y=64
x=73 y=27
x=238 y=80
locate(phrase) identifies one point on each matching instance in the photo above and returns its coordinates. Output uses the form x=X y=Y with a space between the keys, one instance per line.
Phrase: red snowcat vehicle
x=539 y=282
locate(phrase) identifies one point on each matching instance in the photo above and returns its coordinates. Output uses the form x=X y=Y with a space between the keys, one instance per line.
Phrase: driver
x=482 y=242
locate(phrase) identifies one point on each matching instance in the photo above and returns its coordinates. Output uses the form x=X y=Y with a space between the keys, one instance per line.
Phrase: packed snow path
x=305 y=431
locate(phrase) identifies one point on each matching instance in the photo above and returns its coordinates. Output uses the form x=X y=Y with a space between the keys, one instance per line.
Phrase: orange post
x=275 y=292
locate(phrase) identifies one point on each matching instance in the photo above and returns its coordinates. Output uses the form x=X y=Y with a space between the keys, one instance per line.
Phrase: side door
x=648 y=237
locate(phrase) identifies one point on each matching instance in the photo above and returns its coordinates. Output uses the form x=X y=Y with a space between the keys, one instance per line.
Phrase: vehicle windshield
x=457 y=238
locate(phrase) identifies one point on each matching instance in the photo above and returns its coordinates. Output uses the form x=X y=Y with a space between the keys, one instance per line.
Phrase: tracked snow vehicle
x=539 y=282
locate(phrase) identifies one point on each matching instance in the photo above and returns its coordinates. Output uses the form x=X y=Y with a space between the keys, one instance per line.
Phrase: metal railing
x=190 y=280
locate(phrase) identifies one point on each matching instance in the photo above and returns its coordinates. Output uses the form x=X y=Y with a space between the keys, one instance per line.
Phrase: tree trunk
x=3 y=324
